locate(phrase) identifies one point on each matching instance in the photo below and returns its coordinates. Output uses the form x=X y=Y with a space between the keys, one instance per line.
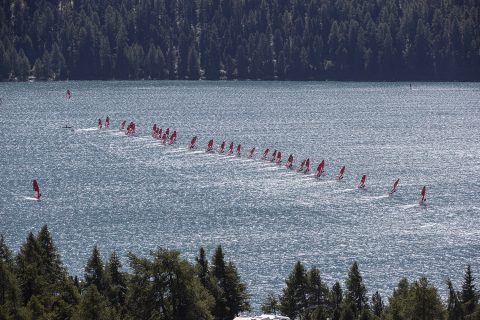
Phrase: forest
x=351 y=40
x=34 y=284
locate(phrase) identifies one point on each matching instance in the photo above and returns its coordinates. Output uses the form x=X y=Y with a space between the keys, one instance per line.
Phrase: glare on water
x=134 y=194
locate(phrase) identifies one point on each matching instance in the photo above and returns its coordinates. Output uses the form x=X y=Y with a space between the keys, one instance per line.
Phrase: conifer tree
x=469 y=293
x=356 y=292
x=202 y=267
x=93 y=305
x=377 y=304
x=454 y=306
x=271 y=304
x=5 y=253
x=94 y=271
x=294 y=298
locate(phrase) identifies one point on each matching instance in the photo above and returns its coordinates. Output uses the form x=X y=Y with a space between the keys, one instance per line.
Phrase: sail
x=320 y=169
x=173 y=137
x=210 y=145
x=362 y=182
x=154 y=130
x=99 y=123
x=107 y=122
x=68 y=94
x=424 y=195
x=122 y=125
x=341 y=173
x=289 y=161
x=252 y=151
x=265 y=153
x=36 y=190
x=307 y=166
x=164 y=138
x=279 y=157
x=274 y=155
x=193 y=142
x=230 y=148
x=222 y=147
x=160 y=133
x=394 y=188
x=239 y=148
x=302 y=165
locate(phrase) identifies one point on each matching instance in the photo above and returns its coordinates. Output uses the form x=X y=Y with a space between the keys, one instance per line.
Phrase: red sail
x=362 y=181
x=107 y=122
x=36 y=189
x=307 y=166
x=68 y=95
x=424 y=195
x=173 y=137
x=302 y=165
x=265 y=153
x=230 y=149
x=274 y=155
x=394 y=188
x=289 y=161
x=279 y=157
x=210 y=145
x=193 y=142
x=239 y=148
x=222 y=147
x=320 y=168
x=251 y=152
x=340 y=175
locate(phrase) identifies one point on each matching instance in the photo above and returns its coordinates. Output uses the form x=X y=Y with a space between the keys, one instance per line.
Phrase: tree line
x=240 y=39
x=34 y=284
x=307 y=297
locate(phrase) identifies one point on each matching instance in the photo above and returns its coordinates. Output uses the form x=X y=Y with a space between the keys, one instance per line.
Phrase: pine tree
x=51 y=261
x=377 y=304
x=454 y=306
x=93 y=305
x=294 y=298
x=317 y=293
x=271 y=304
x=469 y=293
x=5 y=253
x=29 y=269
x=193 y=65
x=356 y=292
x=94 y=271
x=118 y=282
x=202 y=267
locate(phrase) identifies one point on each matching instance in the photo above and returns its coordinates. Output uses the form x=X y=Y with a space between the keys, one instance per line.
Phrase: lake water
x=132 y=194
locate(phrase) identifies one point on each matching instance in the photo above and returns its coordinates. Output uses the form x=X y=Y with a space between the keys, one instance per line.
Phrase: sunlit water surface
x=132 y=194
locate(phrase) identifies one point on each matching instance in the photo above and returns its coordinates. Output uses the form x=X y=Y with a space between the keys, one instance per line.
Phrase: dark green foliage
x=418 y=300
x=377 y=304
x=356 y=292
x=469 y=293
x=454 y=305
x=271 y=304
x=293 y=301
x=5 y=253
x=297 y=40
x=93 y=305
x=166 y=288
x=94 y=271
x=230 y=293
